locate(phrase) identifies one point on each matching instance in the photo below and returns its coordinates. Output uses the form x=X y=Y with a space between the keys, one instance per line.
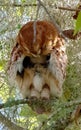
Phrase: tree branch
x=66 y=8
x=32 y=101
x=14 y=102
x=8 y=123
x=53 y=20
x=25 y=5
x=64 y=121
x=70 y=34
x=18 y=5
x=68 y=104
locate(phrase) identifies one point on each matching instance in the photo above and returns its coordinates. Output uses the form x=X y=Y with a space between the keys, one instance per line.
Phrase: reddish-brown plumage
x=39 y=42
x=38 y=61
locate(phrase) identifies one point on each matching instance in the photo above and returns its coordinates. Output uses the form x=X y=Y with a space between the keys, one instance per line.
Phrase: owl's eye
x=27 y=63
x=47 y=57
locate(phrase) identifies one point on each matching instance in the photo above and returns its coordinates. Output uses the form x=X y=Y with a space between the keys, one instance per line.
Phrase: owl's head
x=37 y=37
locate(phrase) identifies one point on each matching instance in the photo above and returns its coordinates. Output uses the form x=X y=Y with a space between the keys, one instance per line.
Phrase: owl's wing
x=31 y=68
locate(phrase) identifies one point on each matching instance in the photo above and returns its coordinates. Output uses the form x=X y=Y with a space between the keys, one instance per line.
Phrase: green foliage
x=19 y=26
x=78 y=24
x=9 y=102
x=23 y=1
x=27 y=112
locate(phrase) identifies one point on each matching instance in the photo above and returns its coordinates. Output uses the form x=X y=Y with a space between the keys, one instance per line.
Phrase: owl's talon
x=45 y=94
x=35 y=94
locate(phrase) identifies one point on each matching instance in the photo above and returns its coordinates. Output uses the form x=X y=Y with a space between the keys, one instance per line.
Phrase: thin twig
x=18 y=5
x=34 y=30
x=53 y=20
x=38 y=7
x=35 y=21
x=24 y=5
x=1 y=85
x=66 y=8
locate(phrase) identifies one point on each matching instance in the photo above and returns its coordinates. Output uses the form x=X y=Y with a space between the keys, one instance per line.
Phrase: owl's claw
x=34 y=94
x=45 y=94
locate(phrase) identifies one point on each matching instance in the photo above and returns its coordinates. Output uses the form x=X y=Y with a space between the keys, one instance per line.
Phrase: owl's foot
x=34 y=94
x=45 y=94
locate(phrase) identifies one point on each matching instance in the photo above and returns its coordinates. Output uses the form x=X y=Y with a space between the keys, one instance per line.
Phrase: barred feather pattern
x=38 y=62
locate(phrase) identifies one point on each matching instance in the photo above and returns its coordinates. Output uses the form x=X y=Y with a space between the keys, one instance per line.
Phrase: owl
x=38 y=61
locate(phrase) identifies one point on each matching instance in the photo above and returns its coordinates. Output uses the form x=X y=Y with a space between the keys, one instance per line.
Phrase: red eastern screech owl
x=38 y=61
